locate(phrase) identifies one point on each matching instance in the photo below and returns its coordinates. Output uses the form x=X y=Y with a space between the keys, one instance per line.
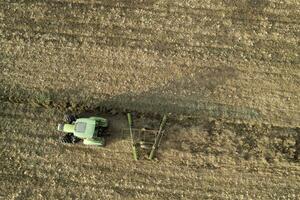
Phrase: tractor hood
x=67 y=128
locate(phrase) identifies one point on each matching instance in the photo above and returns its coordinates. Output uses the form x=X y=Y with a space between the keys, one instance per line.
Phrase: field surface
x=226 y=71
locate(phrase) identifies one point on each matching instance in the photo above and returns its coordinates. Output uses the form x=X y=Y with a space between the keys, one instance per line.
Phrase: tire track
x=163 y=47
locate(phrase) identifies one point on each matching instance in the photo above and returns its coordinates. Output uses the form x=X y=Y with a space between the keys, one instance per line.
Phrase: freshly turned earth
x=226 y=71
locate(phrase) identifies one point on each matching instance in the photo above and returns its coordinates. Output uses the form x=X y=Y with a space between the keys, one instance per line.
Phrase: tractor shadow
x=196 y=94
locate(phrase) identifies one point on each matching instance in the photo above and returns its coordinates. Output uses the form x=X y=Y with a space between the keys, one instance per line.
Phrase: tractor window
x=80 y=127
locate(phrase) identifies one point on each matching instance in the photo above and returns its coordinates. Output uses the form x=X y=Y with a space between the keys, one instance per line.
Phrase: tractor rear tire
x=102 y=132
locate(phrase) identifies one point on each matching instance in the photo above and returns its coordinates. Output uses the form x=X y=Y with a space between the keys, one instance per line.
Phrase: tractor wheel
x=67 y=138
x=70 y=138
x=69 y=119
x=102 y=132
x=75 y=139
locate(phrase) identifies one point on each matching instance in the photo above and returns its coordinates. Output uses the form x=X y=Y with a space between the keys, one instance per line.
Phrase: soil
x=225 y=72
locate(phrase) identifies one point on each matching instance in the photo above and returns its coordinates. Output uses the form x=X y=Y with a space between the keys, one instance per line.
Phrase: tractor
x=92 y=130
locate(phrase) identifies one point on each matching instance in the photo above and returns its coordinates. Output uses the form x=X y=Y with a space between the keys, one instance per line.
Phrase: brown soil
x=226 y=72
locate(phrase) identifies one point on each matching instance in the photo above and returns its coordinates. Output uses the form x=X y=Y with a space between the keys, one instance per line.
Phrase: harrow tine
x=158 y=137
x=134 y=150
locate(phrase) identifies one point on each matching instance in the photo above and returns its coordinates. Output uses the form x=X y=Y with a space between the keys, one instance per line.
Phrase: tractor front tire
x=69 y=118
x=70 y=138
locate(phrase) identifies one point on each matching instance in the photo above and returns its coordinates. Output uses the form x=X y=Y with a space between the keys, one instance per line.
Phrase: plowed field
x=227 y=72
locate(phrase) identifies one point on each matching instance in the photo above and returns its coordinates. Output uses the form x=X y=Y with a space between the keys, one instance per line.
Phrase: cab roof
x=85 y=128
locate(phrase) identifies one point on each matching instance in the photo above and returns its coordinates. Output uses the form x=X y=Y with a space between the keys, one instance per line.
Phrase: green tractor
x=91 y=130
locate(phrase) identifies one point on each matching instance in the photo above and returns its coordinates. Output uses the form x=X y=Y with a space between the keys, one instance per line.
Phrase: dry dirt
x=226 y=71
x=194 y=162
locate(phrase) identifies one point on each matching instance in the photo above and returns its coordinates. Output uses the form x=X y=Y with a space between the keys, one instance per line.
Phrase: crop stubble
x=193 y=57
x=230 y=60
